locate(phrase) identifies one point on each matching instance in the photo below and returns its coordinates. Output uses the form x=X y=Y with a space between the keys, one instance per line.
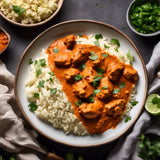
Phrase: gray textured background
x=112 y=12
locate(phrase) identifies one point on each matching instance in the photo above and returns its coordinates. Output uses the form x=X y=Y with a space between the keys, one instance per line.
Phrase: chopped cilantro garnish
x=105 y=46
x=105 y=87
x=96 y=91
x=96 y=43
x=38 y=72
x=30 y=61
x=116 y=49
x=35 y=95
x=116 y=91
x=122 y=85
x=78 y=103
x=51 y=73
x=82 y=67
x=41 y=84
x=91 y=99
x=134 y=103
x=32 y=107
x=100 y=71
x=78 y=42
x=131 y=58
x=50 y=79
x=40 y=62
x=115 y=41
x=93 y=56
x=55 y=50
x=78 y=77
x=19 y=10
x=96 y=80
x=80 y=35
x=53 y=91
x=105 y=55
x=127 y=119
x=98 y=36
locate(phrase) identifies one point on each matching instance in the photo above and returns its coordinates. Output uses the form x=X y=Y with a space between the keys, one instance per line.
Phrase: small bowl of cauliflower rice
x=29 y=13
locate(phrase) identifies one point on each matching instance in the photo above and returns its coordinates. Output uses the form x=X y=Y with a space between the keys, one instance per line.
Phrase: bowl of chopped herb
x=143 y=17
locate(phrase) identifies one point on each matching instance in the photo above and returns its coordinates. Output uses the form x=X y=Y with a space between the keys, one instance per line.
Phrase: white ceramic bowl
x=136 y=3
x=43 y=41
x=35 y=24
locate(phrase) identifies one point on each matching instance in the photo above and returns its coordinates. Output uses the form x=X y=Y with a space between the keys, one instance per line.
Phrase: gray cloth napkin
x=127 y=147
x=14 y=137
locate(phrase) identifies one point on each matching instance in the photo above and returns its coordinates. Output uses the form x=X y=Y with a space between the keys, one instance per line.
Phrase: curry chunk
x=88 y=74
x=114 y=70
x=70 y=73
x=130 y=73
x=80 y=56
x=82 y=89
x=115 y=107
x=70 y=42
x=91 y=110
x=62 y=60
x=106 y=89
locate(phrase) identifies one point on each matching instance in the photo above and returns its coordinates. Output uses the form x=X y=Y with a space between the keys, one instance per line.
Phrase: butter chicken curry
x=96 y=83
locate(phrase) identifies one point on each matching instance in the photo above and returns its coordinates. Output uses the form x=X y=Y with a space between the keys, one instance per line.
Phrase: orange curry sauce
x=101 y=110
x=3 y=41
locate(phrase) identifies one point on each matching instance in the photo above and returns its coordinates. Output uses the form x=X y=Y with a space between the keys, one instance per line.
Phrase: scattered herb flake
x=100 y=71
x=115 y=41
x=40 y=63
x=78 y=103
x=78 y=77
x=32 y=107
x=78 y=42
x=55 y=50
x=19 y=10
x=30 y=61
x=91 y=99
x=116 y=49
x=105 y=87
x=122 y=85
x=116 y=91
x=51 y=73
x=96 y=43
x=96 y=80
x=36 y=95
x=96 y=91
x=41 y=84
x=38 y=72
x=93 y=56
x=127 y=119
x=50 y=79
x=53 y=91
x=105 y=46
x=82 y=67
x=105 y=55
x=80 y=35
x=134 y=103
x=98 y=36
x=131 y=58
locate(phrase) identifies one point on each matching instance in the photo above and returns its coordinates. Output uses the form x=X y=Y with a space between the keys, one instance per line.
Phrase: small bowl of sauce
x=4 y=40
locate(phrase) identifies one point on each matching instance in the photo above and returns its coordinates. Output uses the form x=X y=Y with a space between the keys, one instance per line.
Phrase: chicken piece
x=99 y=60
x=82 y=89
x=106 y=89
x=88 y=74
x=91 y=110
x=70 y=73
x=114 y=70
x=70 y=42
x=130 y=73
x=115 y=107
x=80 y=56
x=62 y=60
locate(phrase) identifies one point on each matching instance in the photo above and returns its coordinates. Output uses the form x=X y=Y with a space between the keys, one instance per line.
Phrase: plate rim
x=80 y=21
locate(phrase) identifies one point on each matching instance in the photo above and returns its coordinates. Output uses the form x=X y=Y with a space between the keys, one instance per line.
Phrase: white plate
x=43 y=41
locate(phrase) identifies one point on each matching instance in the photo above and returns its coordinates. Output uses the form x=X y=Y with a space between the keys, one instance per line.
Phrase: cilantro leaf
x=96 y=80
x=40 y=62
x=55 y=50
x=93 y=56
x=78 y=103
x=98 y=36
x=51 y=73
x=96 y=91
x=105 y=55
x=35 y=95
x=32 y=107
x=91 y=99
x=100 y=71
x=30 y=61
x=116 y=91
x=105 y=87
x=38 y=72
x=134 y=103
x=41 y=84
x=127 y=119
x=53 y=91
x=82 y=67
x=115 y=41
x=96 y=43
x=78 y=77
x=105 y=46
x=130 y=57
x=50 y=79
x=19 y=10
x=122 y=85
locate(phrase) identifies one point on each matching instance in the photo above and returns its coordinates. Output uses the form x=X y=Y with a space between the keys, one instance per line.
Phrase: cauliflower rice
x=56 y=109
x=35 y=10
